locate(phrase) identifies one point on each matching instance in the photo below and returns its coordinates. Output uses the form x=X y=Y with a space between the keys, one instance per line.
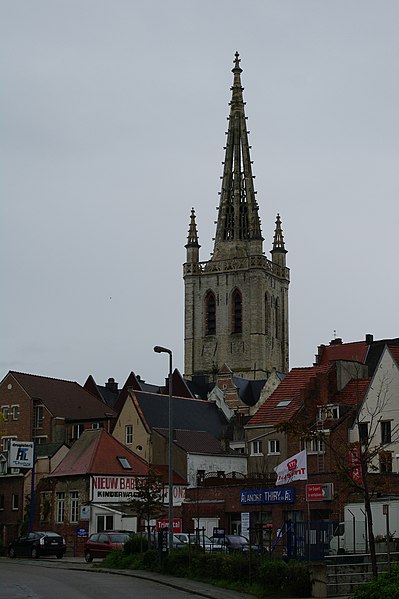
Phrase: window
x=236 y=312
x=6 y=442
x=274 y=446
x=200 y=476
x=128 y=434
x=385 y=458
x=15 y=412
x=210 y=314
x=1 y=502
x=38 y=417
x=39 y=440
x=385 y=431
x=276 y=319
x=283 y=403
x=5 y=410
x=60 y=507
x=363 y=432
x=124 y=462
x=77 y=430
x=105 y=522
x=315 y=446
x=14 y=502
x=95 y=425
x=256 y=448
x=74 y=506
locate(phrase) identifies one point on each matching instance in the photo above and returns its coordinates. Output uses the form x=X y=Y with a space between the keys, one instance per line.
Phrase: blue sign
x=261 y=496
x=82 y=532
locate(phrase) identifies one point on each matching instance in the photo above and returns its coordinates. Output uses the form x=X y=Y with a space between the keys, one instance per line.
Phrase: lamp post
x=164 y=350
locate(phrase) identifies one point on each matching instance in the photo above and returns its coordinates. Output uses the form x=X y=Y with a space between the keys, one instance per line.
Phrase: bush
x=384 y=587
x=135 y=544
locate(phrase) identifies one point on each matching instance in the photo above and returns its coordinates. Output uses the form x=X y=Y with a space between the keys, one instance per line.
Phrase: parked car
x=100 y=544
x=232 y=543
x=35 y=544
x=153 y=541
x=192 y=538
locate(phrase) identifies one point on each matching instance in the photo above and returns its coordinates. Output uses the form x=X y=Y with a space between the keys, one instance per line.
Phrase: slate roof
x=66 y=399
x=270 y=413
x=188 y=414
x=47 y=450
x=249 y=389
x=96 y=452
x=195 y=441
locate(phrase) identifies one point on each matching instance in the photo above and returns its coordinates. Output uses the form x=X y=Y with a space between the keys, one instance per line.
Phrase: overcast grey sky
x=113 y=120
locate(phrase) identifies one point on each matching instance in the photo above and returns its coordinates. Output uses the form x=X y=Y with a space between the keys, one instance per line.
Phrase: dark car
x=100 y=544
x=35 y=544
x=232 y=543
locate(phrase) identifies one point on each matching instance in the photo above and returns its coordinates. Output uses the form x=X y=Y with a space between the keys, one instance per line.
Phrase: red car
x=100 y=544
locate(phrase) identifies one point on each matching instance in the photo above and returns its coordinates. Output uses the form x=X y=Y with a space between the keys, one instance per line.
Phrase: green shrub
x=386 y=586
x=118 y=559
x=150 y=560
x=136 y=544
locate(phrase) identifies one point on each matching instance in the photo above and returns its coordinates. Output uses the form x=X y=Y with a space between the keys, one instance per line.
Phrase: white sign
x=21 y=454
x=294 y=468
x=245 y=524
x=114 y=489
x=179 y=494
x=85 y=512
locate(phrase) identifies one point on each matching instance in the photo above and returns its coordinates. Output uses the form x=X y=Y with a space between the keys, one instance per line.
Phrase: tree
x=148 y=503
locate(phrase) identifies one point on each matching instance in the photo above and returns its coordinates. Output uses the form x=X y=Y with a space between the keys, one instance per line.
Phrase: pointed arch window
x=277 y=318
x=210 y=314
x=236 y=312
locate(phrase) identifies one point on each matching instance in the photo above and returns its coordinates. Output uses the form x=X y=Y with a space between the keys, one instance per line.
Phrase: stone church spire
x=238 y=221
x=236 y=303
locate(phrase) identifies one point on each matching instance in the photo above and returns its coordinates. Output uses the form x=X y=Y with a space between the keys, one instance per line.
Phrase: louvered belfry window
x=237 y=312
x=210 y=314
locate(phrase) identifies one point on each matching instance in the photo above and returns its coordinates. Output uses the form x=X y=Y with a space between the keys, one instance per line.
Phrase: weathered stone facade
x=236 y=304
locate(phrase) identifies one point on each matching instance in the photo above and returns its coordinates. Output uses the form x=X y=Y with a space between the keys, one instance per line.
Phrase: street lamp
x=164 y=350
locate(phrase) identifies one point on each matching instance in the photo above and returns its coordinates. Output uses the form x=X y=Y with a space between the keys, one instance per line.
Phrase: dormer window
x=124 y=462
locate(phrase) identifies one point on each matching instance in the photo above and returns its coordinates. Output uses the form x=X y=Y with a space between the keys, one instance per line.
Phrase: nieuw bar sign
x=261 y=496
x=114 y=489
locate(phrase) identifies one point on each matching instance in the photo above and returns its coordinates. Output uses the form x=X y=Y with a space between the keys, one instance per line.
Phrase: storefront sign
x=164 y=523
x=319 y=492
x=179 y=493
x=21 y=454
x=82 y=532
x=261 y=496
x=114 y=489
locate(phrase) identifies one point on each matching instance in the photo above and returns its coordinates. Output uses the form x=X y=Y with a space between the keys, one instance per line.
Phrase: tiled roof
x=394 y=350
x=195 y=441
x=163 y=470
x=356 y=351
x=66 y=399
x=353 y=393
x=286 y=400
x=188 y=414
x=96 y=452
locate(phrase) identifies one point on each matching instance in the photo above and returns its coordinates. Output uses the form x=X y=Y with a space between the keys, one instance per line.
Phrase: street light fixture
x=164 y=350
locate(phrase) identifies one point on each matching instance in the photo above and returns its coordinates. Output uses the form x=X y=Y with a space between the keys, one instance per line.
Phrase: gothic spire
x=192 y=237
x=192 y=245
x=238 y=219
x=278 y=241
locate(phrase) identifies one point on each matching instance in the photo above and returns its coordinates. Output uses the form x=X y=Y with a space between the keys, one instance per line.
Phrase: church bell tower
x=236 y=303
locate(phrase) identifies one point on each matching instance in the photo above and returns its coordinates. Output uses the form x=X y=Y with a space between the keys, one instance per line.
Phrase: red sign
x=319 y=492
x=355 y=469
x=165 y=524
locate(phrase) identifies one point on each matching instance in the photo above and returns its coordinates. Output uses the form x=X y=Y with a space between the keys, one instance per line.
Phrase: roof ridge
x=42 y=376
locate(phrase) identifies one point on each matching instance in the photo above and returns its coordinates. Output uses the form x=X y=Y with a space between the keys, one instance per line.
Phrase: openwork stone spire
x=192 y=238
x=278 y=241
x=238 y=219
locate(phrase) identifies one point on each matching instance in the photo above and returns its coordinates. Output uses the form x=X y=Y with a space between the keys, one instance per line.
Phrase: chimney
x=369 y=339
x=337 y=341
x=111 y=385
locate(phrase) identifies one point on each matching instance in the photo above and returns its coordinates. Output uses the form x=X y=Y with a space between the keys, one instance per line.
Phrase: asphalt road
x=72 y=578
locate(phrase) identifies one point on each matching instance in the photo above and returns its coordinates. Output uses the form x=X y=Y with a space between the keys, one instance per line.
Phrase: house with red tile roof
x=90 y=489
x=51 y=412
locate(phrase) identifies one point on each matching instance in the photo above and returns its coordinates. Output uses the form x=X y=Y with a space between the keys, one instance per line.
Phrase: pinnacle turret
x=278 y=251
x=238 y=219
x=192 y=246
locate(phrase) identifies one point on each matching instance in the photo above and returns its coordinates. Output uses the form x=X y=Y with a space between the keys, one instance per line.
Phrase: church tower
x=236 y=303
